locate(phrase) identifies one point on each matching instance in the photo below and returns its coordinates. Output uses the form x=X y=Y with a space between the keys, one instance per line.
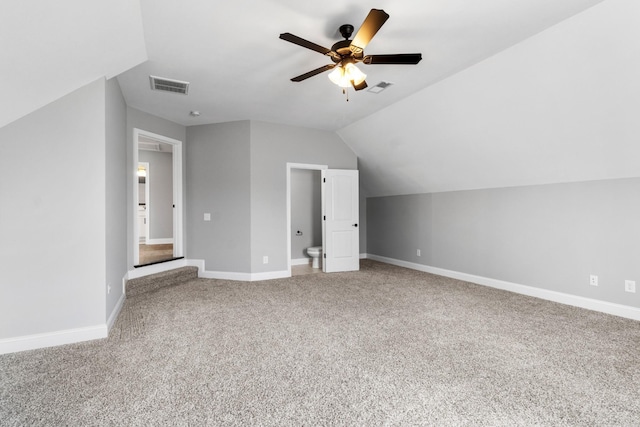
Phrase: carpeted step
x=159 y=280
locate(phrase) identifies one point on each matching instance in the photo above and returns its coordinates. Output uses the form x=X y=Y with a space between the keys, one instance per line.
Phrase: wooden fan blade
x=398 y=58
x=304 y=43
x=361 y=86
x=312 y=73
x=372 y=23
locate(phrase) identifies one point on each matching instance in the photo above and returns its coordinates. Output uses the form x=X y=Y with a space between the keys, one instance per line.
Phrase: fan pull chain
x=345 y=92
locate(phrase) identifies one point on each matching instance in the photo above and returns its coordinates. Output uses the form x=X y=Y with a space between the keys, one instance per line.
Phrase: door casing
x=178 y=249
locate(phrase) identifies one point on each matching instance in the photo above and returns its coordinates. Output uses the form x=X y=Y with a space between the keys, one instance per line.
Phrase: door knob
x=355 y=225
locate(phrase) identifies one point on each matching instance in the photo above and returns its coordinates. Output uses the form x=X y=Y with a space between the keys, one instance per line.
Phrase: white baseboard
x=301 y=261
x=225 y=275
x=243 y=277
x=560 y=297
x=163 y=241
x=156 y=268
x=232 y=275
x=51 y=339
x=269 y=275
x=116 y=311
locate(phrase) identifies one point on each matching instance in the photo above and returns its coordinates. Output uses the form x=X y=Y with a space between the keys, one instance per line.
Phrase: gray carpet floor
x=384 y=346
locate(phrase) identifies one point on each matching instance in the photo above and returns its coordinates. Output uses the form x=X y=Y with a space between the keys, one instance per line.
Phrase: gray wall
x=546 y=236
x=141 y=120
x=218 y=183
x=237 y=172
x=52 y=216
x=115 y=193
x=160 y=181
x=272 y=147
x=306 y=211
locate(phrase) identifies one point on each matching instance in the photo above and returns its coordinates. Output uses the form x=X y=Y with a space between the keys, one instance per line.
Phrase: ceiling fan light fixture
x=343 y=76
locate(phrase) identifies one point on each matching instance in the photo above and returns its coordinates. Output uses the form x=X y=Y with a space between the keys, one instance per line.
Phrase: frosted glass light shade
x=343 y=76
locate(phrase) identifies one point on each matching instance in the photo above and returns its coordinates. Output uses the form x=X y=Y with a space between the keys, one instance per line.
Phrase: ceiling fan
x=346 y=53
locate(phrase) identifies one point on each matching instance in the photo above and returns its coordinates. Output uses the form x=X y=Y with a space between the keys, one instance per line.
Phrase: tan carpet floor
x=384 y=346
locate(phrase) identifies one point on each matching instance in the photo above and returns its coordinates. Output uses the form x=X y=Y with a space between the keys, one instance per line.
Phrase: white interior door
x=341 y=237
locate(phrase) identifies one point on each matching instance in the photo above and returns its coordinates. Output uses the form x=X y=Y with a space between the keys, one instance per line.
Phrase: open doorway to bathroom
x=304 y=197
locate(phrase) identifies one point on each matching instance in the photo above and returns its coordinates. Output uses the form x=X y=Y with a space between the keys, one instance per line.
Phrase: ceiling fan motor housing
x=342 y=49
x=346 y=30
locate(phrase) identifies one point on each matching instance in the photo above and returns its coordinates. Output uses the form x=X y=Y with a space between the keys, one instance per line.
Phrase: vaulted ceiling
x=239 y=69
x=231 y=54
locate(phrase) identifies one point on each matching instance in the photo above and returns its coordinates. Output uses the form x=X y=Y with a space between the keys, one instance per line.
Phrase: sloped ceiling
x=51 y=48
x=561 y=106
x=239 y=69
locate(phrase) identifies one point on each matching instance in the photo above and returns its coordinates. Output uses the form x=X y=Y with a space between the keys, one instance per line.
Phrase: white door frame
x=178 y=250
x=289 y=167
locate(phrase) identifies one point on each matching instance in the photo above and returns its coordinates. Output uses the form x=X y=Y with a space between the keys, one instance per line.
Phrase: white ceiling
x=239 y=69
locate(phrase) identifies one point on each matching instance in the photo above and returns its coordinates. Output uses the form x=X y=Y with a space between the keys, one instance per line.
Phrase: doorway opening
x=304 y=216
x=340 y=216
x=157 y=195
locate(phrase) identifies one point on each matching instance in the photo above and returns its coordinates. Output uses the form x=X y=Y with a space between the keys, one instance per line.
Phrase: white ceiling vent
x=380 y=87
x=169 y=85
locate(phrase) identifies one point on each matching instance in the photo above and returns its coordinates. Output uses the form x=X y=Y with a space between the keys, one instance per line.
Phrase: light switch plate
x=207 y=217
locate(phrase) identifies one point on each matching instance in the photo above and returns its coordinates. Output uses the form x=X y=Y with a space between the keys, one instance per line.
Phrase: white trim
x=546 y=294
x=155 y=268
x=289 y=167
x=163 y=241
x=363 y=256
x=202 y=272
x=270 y=275
x=51 y=339
x=225 y=275
x=116 y=311
x=232 y=275
x=302 y=261
x=244 y=277
x=147 y=210
x=178 y=210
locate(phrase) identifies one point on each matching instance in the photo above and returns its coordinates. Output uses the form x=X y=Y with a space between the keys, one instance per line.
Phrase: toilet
x=315 y=252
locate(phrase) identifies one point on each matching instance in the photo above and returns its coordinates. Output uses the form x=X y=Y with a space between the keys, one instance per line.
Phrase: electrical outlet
x=593 y=280
x=207 y=217
x=265 y=259
x=418 y=252
x=630 y=286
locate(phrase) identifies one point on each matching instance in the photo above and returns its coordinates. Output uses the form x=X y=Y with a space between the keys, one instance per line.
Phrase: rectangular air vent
x=169 y=85
x=380 y=87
